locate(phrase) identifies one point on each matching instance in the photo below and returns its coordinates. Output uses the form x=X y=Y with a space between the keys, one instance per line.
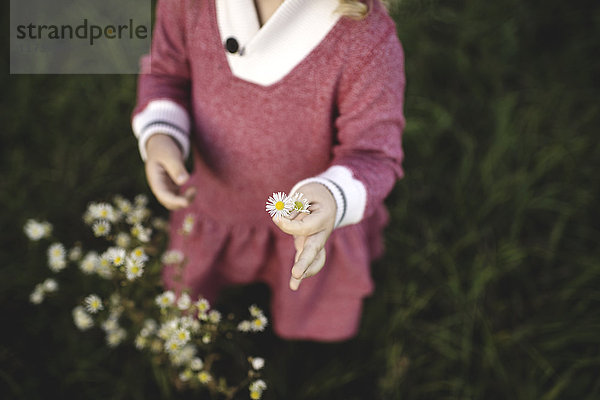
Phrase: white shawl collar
x=268 y=53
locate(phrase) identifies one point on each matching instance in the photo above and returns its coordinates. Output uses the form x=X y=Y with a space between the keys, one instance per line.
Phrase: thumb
x=176 y=170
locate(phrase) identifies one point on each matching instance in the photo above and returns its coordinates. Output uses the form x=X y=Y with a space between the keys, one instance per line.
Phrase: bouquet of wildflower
x=182 y=336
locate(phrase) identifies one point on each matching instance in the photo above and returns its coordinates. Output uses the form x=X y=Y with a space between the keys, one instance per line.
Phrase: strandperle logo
x=85 y=31
x=79 y=36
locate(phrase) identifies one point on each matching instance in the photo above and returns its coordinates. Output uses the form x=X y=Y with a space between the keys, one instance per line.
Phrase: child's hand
x=310 y=232
x=165 y=172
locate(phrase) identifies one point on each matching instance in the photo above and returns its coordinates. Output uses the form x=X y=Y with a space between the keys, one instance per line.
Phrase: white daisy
x=185 y=375
x=258 y=324
x=214 y=316
x=111 y=323
x=188 y=224
x=122 y=239
x=172 y=346
x=165 y=299
x=141 y=233
x=115 y=337
x=140 y=342
x=196 y=364
x=258 y=384
x=93 y=304
x=103 y=211
x=202 y=305
x=300 y=203
x=75 y=253
x=183 y=356
x=139 y=254
x=184 y=302
x=37 y=230
x=279 y=205
x=37 y=296
x=257 y=363
x=206 y=339
x=50 y=285
x=150 y=326
x=123 y=204
x=134 y=268
x=255 y=311
x=204 y=377
x=89 y=263
x=244 y=326
x=82 y=319
x=57 y=257
x=104 y=266
x=172 y=257
x=116 y=256
x=101 y=228
x=181 y=335
x=141 y=200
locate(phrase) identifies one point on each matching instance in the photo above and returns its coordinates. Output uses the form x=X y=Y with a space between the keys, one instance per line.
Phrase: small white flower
x=160 y=223
x=206 y=339
x=82 y=319
x=37 y=230
x=255 y=311
x=172 y=257
x=256 y=389
x=141 y=233
x=104 y=266
x=89 y=263
x=184 y=302
x=134 y=268
x=116 y=255
x=186 y=375
x=139 y=254
x=258 y=384
x=140 y=342
x=279 y=205
x=57 y=257
x=101 y=228
x=300 y=203
x=214 y=316
x=204 y=377
x=259 y=323
x=150 y=326
x=123 y=204
x=244 y=326
x=141 y=200
x=188 y=224
x=183 y=356
x=115 y=337
x=181 y=335
x=93 y=304
x=122 y=239
x=111 y=323
x=50 y=285
x=165 y=299
x=202 y=305
x=258 y=363
x=75 y=253
x=196 y=364
x=37 y=296
x=172 y=346
x=103 y=211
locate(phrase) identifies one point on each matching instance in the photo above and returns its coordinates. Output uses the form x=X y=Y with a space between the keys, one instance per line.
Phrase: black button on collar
x=232 y=45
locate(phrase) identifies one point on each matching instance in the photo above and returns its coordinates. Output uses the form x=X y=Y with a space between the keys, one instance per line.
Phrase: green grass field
x=490 y=286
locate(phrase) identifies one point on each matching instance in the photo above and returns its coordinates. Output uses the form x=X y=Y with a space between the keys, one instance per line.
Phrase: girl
x=268 y=96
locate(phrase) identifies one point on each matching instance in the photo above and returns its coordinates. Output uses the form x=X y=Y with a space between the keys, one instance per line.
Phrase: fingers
x=165 y=188
x=308 y=225
x=310 y=257
x=313 y=268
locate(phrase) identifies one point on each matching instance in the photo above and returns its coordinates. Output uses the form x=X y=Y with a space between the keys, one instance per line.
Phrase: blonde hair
x=354 y=9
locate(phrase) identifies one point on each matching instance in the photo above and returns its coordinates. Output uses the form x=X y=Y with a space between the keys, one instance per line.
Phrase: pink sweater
x=341 y=105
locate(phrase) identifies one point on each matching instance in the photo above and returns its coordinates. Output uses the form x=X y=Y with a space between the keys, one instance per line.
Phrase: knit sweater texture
x=341 y=105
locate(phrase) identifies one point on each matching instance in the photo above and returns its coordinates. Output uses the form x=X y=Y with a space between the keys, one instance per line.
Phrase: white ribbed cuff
x=350 y=194
x=164 y=117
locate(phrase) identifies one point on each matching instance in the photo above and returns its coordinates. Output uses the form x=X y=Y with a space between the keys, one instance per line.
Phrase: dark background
x=490 y=288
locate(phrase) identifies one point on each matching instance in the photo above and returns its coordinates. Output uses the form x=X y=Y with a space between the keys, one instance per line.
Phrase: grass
x=489 y=287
